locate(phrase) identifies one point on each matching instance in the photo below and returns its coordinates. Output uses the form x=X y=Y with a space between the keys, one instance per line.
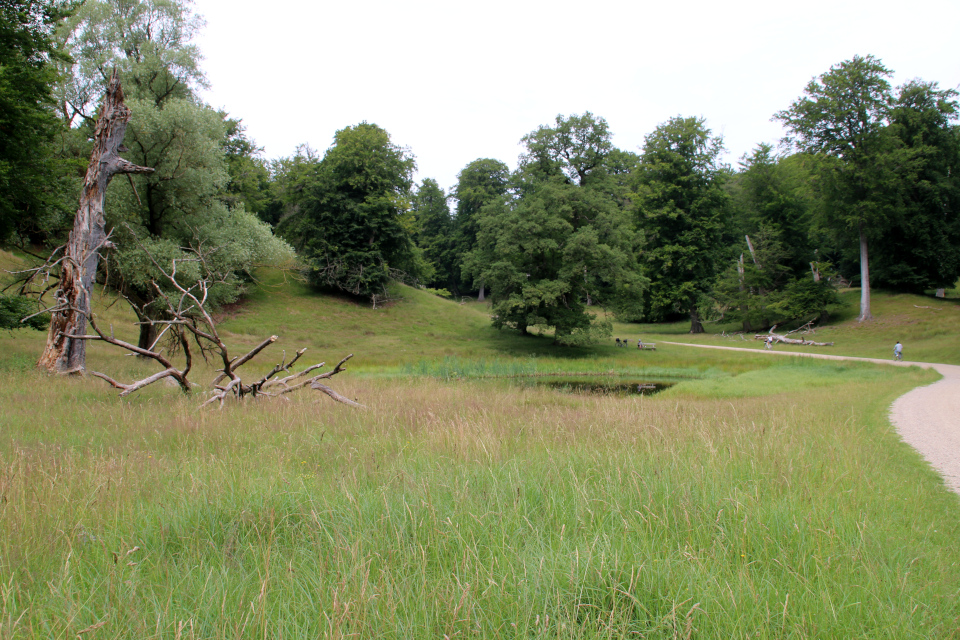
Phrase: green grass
x=927 y=327
x=757 y=498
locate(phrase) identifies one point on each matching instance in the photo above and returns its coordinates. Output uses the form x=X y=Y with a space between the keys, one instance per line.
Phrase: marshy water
x=604 y=380
x=597 y=385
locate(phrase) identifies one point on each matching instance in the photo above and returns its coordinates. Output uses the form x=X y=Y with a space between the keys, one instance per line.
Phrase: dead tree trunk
x=784 y=339
x=744 y=307
x=62 y=353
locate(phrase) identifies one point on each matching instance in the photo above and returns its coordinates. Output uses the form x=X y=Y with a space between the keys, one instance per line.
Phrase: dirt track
x=927 y=418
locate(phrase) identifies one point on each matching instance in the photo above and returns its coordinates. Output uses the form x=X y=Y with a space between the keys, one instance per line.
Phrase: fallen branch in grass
x=784 y=339
x=189 y=322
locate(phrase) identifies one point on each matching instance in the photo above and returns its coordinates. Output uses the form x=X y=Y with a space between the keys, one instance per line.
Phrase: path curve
x=927 y=418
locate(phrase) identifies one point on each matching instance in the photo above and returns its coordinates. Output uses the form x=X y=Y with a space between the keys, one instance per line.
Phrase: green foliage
x=919 y=248
x=13 y=309
x=843 y=117
x=249 y=175
x=559 y=246
x=351 y=228
x=573 y=149
x=291 y=179
x=192 y=207
x=774 y=192
x=482 y=182
x=180 y=206
x=34 y=182
x=682 y=207
x=149 y=41
x=843 y=112
x=434 y=234
x=760 y=288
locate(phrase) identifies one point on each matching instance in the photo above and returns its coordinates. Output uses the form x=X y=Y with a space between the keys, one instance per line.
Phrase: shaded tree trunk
x=864 y=278
x=695 y=325
x=88 y=238
x=148 y=333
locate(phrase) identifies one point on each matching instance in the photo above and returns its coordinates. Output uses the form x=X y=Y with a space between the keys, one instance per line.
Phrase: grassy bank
x=926 y=326
x=474 y=509
x=756 y=498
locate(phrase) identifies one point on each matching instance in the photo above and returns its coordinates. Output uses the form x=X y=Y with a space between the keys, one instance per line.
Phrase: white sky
x=457 y=81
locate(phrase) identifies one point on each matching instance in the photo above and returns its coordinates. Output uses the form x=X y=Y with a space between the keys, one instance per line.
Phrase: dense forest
x=863 y=190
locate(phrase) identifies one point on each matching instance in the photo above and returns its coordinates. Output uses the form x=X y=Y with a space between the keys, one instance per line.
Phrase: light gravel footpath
x=927 y=418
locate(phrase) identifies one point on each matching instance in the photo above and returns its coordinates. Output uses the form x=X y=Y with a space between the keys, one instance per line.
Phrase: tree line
x=864 y=189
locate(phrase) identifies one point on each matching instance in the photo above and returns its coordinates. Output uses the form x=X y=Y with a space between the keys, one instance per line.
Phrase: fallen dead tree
x=784 y=339
x=191 y=325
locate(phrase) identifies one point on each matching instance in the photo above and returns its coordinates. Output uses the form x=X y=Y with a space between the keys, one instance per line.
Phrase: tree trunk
x=148 y=333
x=481 y=298
x=865 y=314
x=82 y=253
x=695 y=325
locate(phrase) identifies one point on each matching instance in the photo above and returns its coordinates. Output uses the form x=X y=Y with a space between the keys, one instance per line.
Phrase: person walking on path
x=898 y=351
x=769 y=342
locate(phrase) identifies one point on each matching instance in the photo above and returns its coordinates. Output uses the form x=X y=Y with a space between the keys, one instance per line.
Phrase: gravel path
x=927 y=418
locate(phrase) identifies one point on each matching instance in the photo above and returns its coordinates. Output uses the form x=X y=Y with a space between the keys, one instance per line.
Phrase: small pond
x=598 y=385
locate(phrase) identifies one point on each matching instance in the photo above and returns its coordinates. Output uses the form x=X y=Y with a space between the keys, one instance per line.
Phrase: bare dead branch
x=249 y=356
x=336 y=396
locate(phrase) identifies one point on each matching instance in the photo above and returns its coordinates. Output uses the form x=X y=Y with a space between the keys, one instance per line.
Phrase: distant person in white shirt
x=898 y=351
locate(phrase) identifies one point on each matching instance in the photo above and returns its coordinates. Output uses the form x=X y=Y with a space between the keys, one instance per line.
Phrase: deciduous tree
x=31 y=177
x=842 y=116
x=681 y=206
x=920 y=248
x=184 y=203
x=351 y=230
x=481 y=183
x=563 y=242
x=434 y=234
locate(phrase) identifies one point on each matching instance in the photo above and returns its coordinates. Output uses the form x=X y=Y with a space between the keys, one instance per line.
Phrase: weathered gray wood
x=64 y=353
x=781 y=338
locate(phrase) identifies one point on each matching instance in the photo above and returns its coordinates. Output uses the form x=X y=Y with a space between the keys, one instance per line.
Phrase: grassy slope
x=928 y=328
x=764 y=499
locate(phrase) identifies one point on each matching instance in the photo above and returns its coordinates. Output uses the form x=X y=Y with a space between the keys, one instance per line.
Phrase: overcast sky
x=457 y=81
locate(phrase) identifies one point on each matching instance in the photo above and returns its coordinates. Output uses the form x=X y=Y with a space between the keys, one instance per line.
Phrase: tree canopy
x=682 y=207
x=31 y=175
x=351 y=229
x=843 y=116
x=557 y=245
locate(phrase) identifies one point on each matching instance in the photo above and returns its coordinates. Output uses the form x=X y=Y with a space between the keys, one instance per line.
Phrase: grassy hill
x=927 y=326
x=758 y=497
